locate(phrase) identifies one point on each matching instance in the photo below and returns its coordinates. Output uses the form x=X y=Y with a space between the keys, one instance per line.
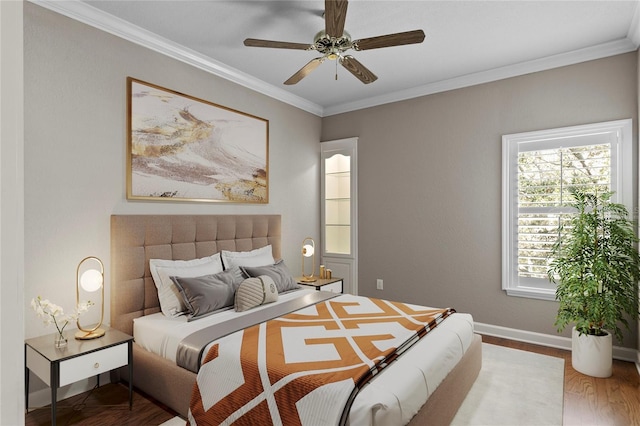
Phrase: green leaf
x=596 y=266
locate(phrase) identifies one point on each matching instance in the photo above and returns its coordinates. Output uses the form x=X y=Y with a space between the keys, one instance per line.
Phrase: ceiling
x=467 y=42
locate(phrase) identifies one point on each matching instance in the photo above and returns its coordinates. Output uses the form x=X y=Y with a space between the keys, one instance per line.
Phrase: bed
x=135 y=239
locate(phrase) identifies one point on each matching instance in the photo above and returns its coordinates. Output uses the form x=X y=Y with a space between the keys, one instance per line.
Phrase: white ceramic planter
x=592 y=355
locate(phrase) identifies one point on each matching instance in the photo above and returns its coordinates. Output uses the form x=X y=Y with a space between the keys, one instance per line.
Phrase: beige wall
x=11 y=213
x=75 y=118
x=430 y=183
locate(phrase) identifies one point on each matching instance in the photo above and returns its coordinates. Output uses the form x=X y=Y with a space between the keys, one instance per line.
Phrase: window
x=538 y=170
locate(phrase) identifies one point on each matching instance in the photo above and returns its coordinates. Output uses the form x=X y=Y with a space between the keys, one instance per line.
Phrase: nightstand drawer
x=333 y=287
x=93 y=363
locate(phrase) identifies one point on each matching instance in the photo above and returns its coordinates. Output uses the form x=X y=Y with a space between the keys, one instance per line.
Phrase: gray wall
x=429 y=183
x=75 y=136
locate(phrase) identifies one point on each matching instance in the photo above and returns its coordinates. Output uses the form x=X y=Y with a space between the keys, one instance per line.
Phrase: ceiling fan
x=334 y=41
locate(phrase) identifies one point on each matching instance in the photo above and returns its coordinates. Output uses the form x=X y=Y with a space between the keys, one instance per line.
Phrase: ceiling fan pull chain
x=336 y=70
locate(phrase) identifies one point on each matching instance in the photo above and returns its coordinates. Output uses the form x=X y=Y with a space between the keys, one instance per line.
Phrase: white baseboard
x=549 y=340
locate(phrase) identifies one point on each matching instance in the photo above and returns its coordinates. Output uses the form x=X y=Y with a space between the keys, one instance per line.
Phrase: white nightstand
x=80 y=359
x=333 y=285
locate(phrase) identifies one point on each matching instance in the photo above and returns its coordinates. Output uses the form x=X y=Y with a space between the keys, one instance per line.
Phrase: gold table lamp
x=91 y=280
x=308 y=250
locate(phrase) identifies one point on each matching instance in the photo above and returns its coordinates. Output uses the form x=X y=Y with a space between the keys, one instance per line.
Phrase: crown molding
x=96 y=18
x=85 y=13
x=582 y=55
x=634 y=28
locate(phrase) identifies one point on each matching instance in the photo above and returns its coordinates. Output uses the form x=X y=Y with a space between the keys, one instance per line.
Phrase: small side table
x=80 y=359
x=333 y=284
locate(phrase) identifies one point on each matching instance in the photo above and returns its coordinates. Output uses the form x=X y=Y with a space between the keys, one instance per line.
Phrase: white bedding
x=393 y=398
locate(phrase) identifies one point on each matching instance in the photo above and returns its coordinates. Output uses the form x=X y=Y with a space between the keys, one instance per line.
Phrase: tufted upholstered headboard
x=137 y=238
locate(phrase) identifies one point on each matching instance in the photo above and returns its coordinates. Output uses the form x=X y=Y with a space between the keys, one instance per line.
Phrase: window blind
x=544 y=178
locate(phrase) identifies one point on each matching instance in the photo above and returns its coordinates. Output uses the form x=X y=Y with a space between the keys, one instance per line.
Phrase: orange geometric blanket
x=306 y=367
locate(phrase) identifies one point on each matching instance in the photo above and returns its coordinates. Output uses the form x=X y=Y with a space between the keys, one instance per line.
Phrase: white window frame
x=620 y=132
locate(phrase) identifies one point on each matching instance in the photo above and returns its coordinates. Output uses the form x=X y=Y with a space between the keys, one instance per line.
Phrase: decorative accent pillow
x=254 y=292
x=278 y=272
x=258 y=257
x=171 y=302
x=207 y=294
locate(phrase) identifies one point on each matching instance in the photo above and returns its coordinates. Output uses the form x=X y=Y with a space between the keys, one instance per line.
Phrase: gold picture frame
x=181 y=148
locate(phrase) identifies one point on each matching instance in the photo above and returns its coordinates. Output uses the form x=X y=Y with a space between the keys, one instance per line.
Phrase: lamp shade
x=308 y=250
x=91 y=280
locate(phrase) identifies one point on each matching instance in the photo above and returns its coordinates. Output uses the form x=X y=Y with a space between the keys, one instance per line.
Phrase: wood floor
x=107 y=405
x=587 y=400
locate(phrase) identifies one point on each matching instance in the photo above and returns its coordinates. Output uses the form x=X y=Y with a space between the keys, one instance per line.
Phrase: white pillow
x=258 y=257
x=171 y=302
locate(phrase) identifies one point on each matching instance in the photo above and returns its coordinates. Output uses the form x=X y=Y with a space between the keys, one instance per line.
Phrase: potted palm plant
x=596 y=267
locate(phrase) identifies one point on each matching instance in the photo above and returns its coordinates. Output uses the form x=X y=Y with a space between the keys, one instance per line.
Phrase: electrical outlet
x=379 y=284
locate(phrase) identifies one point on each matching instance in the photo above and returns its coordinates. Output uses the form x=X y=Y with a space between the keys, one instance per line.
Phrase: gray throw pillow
x=278 y=272
x=209 y=293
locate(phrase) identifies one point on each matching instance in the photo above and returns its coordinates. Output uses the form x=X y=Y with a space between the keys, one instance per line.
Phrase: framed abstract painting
x=181 y=148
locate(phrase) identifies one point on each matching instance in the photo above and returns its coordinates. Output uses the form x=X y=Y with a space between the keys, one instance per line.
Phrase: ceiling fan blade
x=335 y=15
x=356 y=68
x=397 y=39
x=304 y=71
x=254 y=42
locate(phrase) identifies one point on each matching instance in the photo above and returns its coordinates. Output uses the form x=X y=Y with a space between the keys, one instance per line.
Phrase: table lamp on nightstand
x=91 y=280
x=308 y=250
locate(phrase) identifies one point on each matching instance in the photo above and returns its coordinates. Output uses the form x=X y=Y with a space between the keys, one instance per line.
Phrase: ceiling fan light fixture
x=333 y=43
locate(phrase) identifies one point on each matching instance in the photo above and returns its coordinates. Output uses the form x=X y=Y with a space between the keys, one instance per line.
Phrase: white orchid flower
x=52 y=313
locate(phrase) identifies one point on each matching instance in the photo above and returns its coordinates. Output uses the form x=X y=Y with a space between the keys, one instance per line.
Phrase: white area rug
x=514 y=388
x=176 y=421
